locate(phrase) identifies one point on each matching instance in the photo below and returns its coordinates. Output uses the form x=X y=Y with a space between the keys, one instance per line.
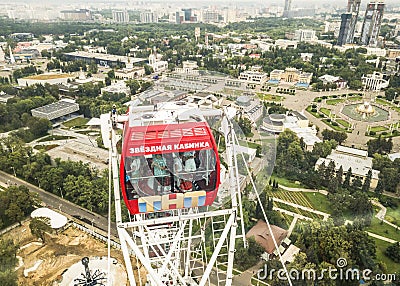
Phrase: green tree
x=245 y=125
x=339 y=176
x=39 y=226
x=8 y=260
x=367 y=182
x=357 y=183
x=14 y=213
x=393 y=252
x=347 y=179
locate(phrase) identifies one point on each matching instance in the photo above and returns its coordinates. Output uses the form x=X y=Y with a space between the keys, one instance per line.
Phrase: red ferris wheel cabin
x=169 y=159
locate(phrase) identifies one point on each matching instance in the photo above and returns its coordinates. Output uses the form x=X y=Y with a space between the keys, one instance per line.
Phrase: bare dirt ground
x=59 y=252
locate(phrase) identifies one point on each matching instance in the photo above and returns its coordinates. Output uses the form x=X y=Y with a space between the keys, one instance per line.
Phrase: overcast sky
x=267 y=3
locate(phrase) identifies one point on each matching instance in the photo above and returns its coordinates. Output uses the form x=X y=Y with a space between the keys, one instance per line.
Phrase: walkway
x=325 y=215
x=382 y=213
x=324 y=192
x=381 y=237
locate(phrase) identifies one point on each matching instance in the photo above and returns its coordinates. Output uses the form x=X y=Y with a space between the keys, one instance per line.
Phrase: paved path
x=382 y=213
x=325 y=215
x=299 y=216
x=292 y=225
x=381 y=237
x=324 y=192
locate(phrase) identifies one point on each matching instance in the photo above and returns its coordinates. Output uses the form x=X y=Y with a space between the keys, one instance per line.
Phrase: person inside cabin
x=190 y=163
x=177 y=170
x=134 y=170
x=159 y=166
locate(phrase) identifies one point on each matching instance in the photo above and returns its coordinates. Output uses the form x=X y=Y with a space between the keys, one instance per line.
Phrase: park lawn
x=315 y=114
x=79 y=121
x=269 y=97
x=334 y=101
x=383 y=229
x=378 y=128
x=286 y=182
x=393 y=215
x=248 y=144
x=381 y=246
x=292 y=197
x=45 y=147
x=325 y=111
x=354 y=98
x=297 y=210
x=334 y=127
x=382 y=101
x=319 y=202
x=343 y=122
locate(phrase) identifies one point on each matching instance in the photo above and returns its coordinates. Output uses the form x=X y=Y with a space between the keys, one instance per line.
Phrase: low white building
x=116 y=87
x=56 y=110
x=246 y=150
x=356 y=159
x=375 y=81
x=130 y=73
x=294 y=121
x=156 y=62
x=253 y=76
x=340 y=83
x=285 y=44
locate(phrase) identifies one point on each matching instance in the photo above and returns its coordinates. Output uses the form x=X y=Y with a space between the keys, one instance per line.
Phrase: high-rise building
x=349 y=21
x=187 y=13
x=76 y=15
x=148 y=17
x=372 y=23
x=288 y=7
x=305 y=35
x=120 y=16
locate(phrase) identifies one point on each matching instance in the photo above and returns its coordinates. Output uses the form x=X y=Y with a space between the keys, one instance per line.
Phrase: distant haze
x=265 y=3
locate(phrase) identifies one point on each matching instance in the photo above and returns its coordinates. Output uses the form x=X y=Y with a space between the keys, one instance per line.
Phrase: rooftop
x=106 y=57
x=352 y=151
x=263 y=237
x=359 y=165
x=56 y=220
x=47 y=76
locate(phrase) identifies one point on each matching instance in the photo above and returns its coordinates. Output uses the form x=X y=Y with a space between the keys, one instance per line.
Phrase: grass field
x=319 y=202
x=325 y=111
x=79 y=121
x=378 y=128
x=315 y=114
x=381 y=246
x=287 y=183
x=297 y=211
x=354 y=98
x=383 y=229
x=269 y=97
x=315 y=201
x=335 y=101
x=45 y=147
x=393 y=216
x=334 y=127
x=343 y=122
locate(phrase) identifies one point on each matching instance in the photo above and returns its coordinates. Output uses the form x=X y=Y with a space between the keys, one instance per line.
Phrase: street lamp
x=37 y=180
x=12 y=167
x=61 y=192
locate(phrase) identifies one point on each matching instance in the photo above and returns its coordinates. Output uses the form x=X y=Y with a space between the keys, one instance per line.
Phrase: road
x=57 y=203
